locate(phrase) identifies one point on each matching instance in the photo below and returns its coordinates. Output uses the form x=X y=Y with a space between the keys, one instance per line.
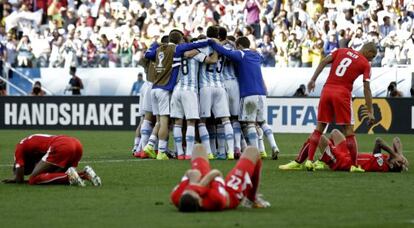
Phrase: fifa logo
x=160 y=58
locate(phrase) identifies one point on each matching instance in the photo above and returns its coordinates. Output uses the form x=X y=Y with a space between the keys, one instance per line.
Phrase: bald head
x=369 y=50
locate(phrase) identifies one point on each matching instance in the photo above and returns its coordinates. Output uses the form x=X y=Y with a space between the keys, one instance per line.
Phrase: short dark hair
x=72 y=70
x=188 y=203
x=212 y=32
x=231 y=38
x=222 y=33
x=243 y=41
x=164 y=39
x=175 y=37
x=177 y=30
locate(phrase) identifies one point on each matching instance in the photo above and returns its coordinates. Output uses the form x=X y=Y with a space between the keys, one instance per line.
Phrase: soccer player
x=337 y=156
x=335 y=101
x=160 y=93
x=214 y=99
x=252 y=90
x=206 y=190
x=232 y=88
x=50 y=159
x=184 y=100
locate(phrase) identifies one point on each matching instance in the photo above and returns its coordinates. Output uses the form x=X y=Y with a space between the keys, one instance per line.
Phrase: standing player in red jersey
x=335 y=102
x=208 y=191
x=50 y=159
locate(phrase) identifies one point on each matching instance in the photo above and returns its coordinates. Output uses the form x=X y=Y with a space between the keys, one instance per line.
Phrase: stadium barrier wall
x=279 y=81
x=283 y=114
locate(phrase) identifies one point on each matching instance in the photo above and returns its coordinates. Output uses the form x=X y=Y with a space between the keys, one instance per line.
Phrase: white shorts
x=142 y=97
x=160 y=102
x=146 y=98
x=184 y=103
x=213 y=99
x=233 y=93
x=252 y=108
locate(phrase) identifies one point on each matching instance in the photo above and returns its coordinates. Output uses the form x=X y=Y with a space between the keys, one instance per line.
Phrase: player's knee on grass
x=199 y=151
x=337 y=136
x=251 y=153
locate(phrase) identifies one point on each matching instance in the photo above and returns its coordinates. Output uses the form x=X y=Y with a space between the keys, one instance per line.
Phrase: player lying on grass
x=50 y=159
x=205 y=189
x=336 y=155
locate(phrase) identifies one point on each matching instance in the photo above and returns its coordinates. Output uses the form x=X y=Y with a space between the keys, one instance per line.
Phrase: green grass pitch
x=135 y=193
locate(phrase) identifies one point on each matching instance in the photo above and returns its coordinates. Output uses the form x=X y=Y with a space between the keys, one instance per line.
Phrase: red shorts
x=335 y=105
x=64 y=152
x=342 y=156
x=238 y=181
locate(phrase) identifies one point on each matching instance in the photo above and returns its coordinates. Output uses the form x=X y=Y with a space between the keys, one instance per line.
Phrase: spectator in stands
x=392 y=90
x=125 y=54
x=136 y=87
x=387 y=27
x=301 y=91
x=268 y=51
x=357 y=39
x=331 y=44
x=343 y=39
x=3 y=86
x=317 y=53
x=253 y=8
x=11 y=53
x=56 y=58
x=392 y=45
x=306 y=48
x=75 y=83
x=37 y=89
x=293 y=51
x=24 y=52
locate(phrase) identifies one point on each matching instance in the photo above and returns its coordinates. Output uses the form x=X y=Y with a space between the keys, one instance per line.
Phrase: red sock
x=49 y=178
x=352 y=145
x=251 y=194
x=313 y=144
x=303 y=153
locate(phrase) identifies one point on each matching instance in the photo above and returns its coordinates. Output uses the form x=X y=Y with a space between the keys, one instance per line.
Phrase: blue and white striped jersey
x=210 y=74
x=188 y=74
x=229 y=72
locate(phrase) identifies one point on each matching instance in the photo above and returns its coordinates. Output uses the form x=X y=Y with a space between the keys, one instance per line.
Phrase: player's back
x=37 y=143
x=373 y=162
x=210 y=74
x=188 y=75
x=250 y=76
x=229 y=72
x=347 y=66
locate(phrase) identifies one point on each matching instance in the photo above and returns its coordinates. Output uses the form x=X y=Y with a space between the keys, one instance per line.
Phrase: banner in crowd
x=284 y=115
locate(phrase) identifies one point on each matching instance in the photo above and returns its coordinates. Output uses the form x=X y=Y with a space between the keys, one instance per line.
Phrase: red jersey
x=373 y=162
x=32 y=148
x=347 y=66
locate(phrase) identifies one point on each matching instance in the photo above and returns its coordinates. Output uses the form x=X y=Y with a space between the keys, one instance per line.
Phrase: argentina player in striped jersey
x=214 y=98
x=184 y=100
x=232 y=88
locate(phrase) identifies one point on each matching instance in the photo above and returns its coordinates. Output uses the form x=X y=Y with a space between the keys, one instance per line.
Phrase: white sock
x=137 y=140
x=221 y=139
x=237 y=134
x=162 y=146
x=270 y=137
x=178 y=139
x=228 y=129
x=252 y=135
x=153 y=140
x=146 y=130
x=189 y=138
x=260 y=140
x=213 y=136
x=204 y=136
x=243 y=143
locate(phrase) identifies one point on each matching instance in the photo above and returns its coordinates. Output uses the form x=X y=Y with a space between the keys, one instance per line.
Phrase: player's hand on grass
x=311 y=86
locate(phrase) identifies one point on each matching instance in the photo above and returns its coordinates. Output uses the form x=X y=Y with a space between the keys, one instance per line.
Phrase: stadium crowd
x=290 y=33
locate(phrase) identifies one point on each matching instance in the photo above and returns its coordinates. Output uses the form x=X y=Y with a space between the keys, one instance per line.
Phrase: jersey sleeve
x=236 y=55
x=367 y=72
x=19 y=156
x=152 y=51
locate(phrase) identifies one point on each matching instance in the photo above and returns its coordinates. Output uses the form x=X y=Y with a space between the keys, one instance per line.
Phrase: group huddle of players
x=215 y=83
